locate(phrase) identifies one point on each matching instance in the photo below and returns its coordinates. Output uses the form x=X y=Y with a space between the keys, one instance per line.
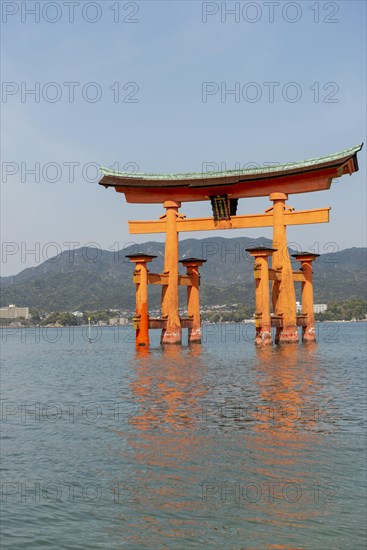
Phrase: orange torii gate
x=224 y=189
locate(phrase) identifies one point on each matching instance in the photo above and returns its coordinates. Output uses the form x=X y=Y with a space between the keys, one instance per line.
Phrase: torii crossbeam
x=224 y=189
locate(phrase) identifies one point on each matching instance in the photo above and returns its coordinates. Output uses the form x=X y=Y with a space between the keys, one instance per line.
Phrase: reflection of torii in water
x=165 y=441
x=224 y=189
x=291 y=420
x=165 y=388
x=173 y=453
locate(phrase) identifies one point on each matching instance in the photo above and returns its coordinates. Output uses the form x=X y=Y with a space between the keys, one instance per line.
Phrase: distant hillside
x=93 y=279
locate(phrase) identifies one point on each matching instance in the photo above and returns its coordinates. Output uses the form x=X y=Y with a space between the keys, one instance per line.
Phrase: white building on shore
x=317 y=308
x=14 y=312
x=118 y=321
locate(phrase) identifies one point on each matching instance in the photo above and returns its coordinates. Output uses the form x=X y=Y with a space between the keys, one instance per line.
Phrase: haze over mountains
x=89 y=278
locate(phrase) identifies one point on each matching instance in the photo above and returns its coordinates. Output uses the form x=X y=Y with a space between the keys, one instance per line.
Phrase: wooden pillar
x=261 y=273
x=284 y=296
x=141 y=319
x=193 y=297
x=306 y=259
x=172 y=333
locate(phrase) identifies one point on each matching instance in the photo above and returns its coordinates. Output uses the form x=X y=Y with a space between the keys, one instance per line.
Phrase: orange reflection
x=166 y=444
x=168 y=387
x=285 y=427
x=172 y=450
x=287 y=384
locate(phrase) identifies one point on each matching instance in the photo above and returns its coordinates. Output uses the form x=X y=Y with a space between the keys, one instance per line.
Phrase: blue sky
x=162 y=59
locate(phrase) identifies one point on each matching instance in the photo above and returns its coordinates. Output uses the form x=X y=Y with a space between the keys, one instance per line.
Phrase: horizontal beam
x=275 y=275
x=162 y=279
x=277 y=320
x=161 y=323
x=319 y=215
x=298 y=276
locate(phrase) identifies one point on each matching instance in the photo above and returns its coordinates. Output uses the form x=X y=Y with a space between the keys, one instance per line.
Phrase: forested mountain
x=89 y=278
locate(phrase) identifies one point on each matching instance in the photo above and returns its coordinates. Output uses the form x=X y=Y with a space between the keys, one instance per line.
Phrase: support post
x=306 y=259
x=141 y=320
x=193 y=297
x=172 y=333
x=284 y=296
x=261 y=272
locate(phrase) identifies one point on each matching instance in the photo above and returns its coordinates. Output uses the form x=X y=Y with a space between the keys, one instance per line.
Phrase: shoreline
x=246 y=321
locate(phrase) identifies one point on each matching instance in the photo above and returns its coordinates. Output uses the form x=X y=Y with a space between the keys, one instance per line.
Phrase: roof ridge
x=262 y=169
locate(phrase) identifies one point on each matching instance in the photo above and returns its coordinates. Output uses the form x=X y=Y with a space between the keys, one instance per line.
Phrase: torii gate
x=224 y=189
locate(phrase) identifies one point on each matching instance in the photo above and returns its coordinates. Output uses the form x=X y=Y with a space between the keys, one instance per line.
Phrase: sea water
x=221 y=445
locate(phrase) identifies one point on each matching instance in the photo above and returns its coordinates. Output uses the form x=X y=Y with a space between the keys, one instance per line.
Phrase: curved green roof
x=305 y=164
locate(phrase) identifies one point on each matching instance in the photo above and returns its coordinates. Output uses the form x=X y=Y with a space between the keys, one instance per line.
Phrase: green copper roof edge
x=250 y=171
